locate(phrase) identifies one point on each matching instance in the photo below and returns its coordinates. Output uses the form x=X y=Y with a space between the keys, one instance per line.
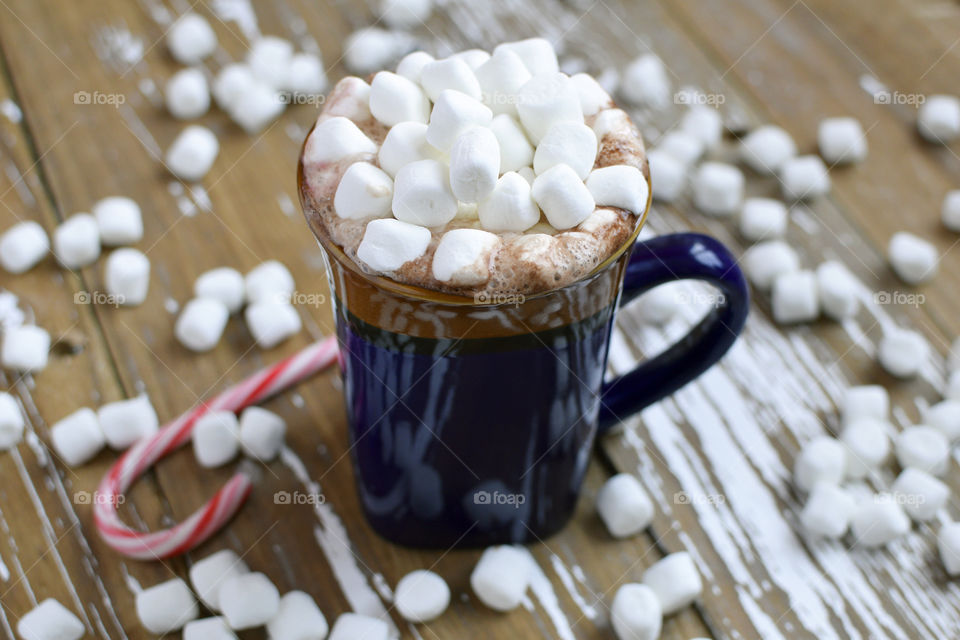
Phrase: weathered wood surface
x=716 y=456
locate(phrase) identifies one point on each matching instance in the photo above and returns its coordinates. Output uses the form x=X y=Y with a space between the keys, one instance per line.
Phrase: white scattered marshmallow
x=945 y=418
x=421 y=596
x=501 y=577
x=668 y=176
x=269 y=281
x=803 y=178
x=76 y=242
x=351 y=626
x=22 y=246
x=474 y=164
x=661 y=304
x=365 y=191
x=298 y=618
x=463 y=256
x=912 y=258
x=12 y=423
x=822 y=460
x=119 y=221
x=187 y=94
x=449 y=74
x=261 y=433
x=473 y=57
x=624 y=506
x=766 y=149
x=216 y=439
x=537 y=54
x=516 y=152
x=191 y=39
x=763 y=219
x=404 y=14
x=563 y=197
x=166 y=607
x=922 y=447
x=766 y=261
x=395 y=99
x=50 y=620
x=249 y=600
x=795 y=297
x=718 y=189
x=225 y=284
x=412 y=64
x=388 y=244
x=842 y=141
x=865 y=401
x=705 y=124
x=453 y=113
x=527 y=174
x=510 y=207
x=422 y=194
x=271 y=322
x=77 y=438
x=501 y=78
x=948 y=543
x=593 y=97
x=209 y=574
x=828 y=511
x=201 y=324
x=676 y=581
x=192 y=153
x=878 y=521
x=126 y=421
x=545 y=100
x=645 y=82
x=25 y=349
x=636 y=613
x=127 y=276
x=371 y=49
x=335 y=139
x=306 y=75
x=683 y=146
x=920 y=493
x=950 y=210
x=256 y=106
x=208 y=629
x=868 y=446
x=269 y=59
x=406 y=142
x=230 y=83
x=621 y=186
x=902 y=352
x=570 y=143
x=837 y=289
x=938 y=118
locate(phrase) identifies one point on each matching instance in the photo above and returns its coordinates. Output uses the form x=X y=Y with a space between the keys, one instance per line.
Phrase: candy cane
x=207 y=520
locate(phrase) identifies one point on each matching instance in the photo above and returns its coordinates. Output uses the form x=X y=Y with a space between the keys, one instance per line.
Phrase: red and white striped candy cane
x=207 y=520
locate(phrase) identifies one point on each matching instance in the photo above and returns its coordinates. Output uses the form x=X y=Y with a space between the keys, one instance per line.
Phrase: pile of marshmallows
x=499 y=138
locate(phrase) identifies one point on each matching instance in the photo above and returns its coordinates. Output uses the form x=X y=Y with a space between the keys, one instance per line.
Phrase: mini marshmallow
x=271 y=322
x=668 y=176
x=249 y=600
x=675 y=580
x=938 y=119
x=78 y=437
x=828 y=511
x=795 y=298
x=351 y=626
x=201 y=323
x=127 y=276
x=411 y=67
x=593 y=97
x=474 y=164
x=837 y=289
x=388 y=244
x=570 y=143
x=224 y=284
x=705 y=124
x=126 y=421
x=912 y=258
x=187 y=94
x=945 y=418
x=306 y=75
x=216 y=439
x=76 y=242
x=545 y=100
x=192 y=153
x=269 y=60
x=878 y=521
x=516 y=152
x=209 y=574
x=636 y=613
x=804 y=177
x=261 y=433
x=12 y=423
x=50 y=620
x=718 y=189
x=395 y=99
x=950 y=210
x=371 y=49
x=766 y=261
x=462 y=257
x=510 y=207
x=624 y=506
x=422 y=194
x=335 y=139
x=402 y=14
x=527 y=174
x=621 y=186
x=365 y=191
x=924 y=448
x=948 y=543
x=563 y=197
x=501 y=78
x=763 y=219
x=191 y=39
x=842 y=140
x=119 y=221
x=501 y=577
x=645 y=82
x=661 y=304
x=25 y=349
x=865 y=401
x=902 y=352
x=537 y=54
x=683 y=146
x=766 y=149
x=868 y=446
x=473 y=57
x=256 y=106
x=22 y=246
x=405 y=143
x=453 y=113
x=421 y=596
x=208 y=629
x=230 y=83
x=450 y=74
x=298 y=618
x=615 y=123
x=822 y=460
x=166 y=607
x=920 y=493
x=269 y=281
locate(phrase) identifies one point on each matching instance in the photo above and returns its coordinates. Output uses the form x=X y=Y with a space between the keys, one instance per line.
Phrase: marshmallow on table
x=395 y=99
x=948 y=543
x=269 y=60
x=766 y=149
x=718 y=189
x=22 y=246
x=78 y=437
x=920 y=493
x=474 y=164
x=675 y=580
x=683 y=146
x=306 y=75
x=950 y=210
x=371 y=49
x=703 y=123
x=645 y=82
x=422 y=194
x=201 y=323
x=421 y=596
x=249 y=600
x=230 y=82
x=621 y=186
x=209 y=574
x=119 y=221
x=922 y=447
x=570 y=143
x=501 y=577
x=261 y=433
x=388 y=244
x=878 y=521
x=453 y=113
x=837 y=290
x=216 y=439
x=659 y=305
x=668 y=176
x=224 y=284
x=822 y=460
x=501 y=78
x=902 y=352
x=593 y=97
x=624 y=506
x=868 y=445
x=912 y=258
x=127 y=421
x=563 y=197
x=473 y=57
x=25 y=349
x=763 y=219
x=76 y=242
x=938 y=119
x=191 y=39
x=795 y=297
x=50 y=620
x=298 y=618
x=636 y=613
x=192 y=153
x=945 y=418
x=865 y=401
x=406 y=142
x=271 y=322
x=804 y=177
x=127 y=276
x=545 y=100
x=208 y=629
x=516 y=152
x=166 y=607
x=537 y=54
x=412 y=64
x=269 y=281
x=451 y=74
x=510 y=207
x=364 y=191
x=766 y=261
x=335 y=139
x=256 y=106
x=187 y=94
x=828 y=511
x=352 y=626
x=462 y=257
x=12 y=423
x=842 y=140
x=404 y=14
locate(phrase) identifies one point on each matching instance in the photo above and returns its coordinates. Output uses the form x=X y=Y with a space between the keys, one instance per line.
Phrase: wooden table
x=716 y=456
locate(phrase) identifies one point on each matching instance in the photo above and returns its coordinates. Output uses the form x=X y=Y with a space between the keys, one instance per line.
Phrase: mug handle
x=679 y=256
